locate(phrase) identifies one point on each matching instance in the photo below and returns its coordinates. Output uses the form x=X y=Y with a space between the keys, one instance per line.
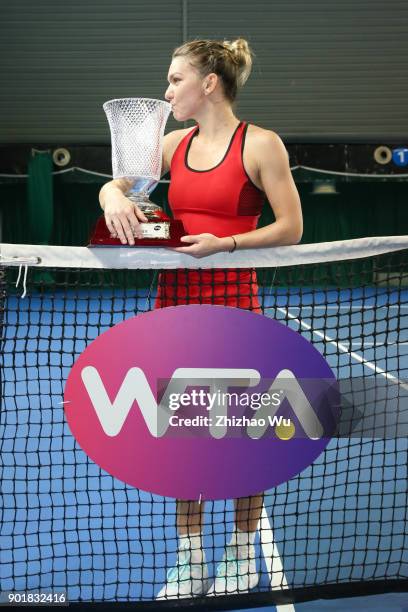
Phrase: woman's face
x=185 y=91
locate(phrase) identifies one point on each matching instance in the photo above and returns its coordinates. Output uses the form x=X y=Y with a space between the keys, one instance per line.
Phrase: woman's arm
x=275 y=178
x=121 y=215
x=277 y=182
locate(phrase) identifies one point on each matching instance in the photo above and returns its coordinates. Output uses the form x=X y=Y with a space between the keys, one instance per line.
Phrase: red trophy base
x=159 y=231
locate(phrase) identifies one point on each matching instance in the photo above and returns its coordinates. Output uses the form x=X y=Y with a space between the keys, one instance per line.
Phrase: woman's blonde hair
x=231 y=61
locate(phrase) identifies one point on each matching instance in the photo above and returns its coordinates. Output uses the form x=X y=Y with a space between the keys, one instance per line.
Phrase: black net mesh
x=66 y=524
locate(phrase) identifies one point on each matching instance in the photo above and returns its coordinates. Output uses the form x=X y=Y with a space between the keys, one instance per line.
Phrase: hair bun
x=231 y=61
x=242 y=55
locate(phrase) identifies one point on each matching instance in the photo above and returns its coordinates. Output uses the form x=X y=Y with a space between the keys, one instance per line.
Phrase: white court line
x=272 y=559
x=374 y=344
x=270 y=551
x=371 y=344
x=344 y=307
x=344 y=349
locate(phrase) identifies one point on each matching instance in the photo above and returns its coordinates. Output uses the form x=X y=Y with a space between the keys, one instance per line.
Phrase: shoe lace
x=182 y=566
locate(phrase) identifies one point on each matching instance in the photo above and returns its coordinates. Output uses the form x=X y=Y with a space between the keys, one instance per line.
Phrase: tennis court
x=69 y=525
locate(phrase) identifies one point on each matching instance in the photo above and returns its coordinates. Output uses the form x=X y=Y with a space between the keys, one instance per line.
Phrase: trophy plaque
x=137 y=129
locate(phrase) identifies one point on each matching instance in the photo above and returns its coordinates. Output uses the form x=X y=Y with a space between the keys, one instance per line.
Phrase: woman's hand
x=202 y=245
x=122 y=216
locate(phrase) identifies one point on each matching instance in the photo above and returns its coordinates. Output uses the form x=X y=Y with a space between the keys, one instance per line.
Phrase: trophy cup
x=137 y=128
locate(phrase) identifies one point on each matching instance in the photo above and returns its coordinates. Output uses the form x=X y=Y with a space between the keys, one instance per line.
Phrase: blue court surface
x=67 y=524
x=389 y=602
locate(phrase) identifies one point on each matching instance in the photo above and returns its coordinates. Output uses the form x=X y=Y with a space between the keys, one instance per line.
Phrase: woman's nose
x=168 y=95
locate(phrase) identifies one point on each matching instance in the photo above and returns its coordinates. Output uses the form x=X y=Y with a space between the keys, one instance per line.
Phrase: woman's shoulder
x=176 y=136
x=260 y=136
x=170 y=144
x=260 y=141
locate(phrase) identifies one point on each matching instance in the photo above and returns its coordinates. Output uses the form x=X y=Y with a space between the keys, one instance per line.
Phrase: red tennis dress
x=222 y=201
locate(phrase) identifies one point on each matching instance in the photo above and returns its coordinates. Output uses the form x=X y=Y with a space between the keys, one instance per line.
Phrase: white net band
x=156 y=259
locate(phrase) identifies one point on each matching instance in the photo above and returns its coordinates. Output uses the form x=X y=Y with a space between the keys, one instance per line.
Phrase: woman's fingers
x=140 y=216
x=199 y=245
x=123 y=222
x=110 y=226
x=123 y=231
x=120 y=227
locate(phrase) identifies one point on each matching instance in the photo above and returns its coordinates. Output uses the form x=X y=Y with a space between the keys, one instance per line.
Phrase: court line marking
x=277 y=578
x=375 y=344
x=344 y=307
x=370 y=344
x=344 y=349
x=270 y=551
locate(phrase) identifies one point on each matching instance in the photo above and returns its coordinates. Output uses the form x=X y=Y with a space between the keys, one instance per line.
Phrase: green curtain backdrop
x=40 y=206
x=366 y=208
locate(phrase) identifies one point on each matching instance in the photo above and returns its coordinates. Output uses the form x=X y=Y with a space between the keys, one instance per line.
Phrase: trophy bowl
x=137 y=129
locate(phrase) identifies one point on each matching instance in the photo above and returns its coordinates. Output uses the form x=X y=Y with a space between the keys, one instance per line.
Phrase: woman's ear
x=210 y=83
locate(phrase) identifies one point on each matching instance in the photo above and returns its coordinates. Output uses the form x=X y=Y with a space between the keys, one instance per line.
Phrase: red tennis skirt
x=224 y=287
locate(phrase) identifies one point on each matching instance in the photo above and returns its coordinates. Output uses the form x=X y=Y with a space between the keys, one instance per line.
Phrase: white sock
x=244 y=541
x=194 y=544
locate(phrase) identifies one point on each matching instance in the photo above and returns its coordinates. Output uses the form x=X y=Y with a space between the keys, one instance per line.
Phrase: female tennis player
x=221 y=171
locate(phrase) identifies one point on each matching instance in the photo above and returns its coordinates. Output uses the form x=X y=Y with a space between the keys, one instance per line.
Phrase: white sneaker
x=235 y=575
x=186 y=579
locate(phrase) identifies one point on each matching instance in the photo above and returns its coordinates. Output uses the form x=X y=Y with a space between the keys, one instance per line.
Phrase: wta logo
x=203 y=401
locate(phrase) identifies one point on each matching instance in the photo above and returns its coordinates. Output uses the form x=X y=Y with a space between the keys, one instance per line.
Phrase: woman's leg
x=189 y=517
x=189 y=577
x=248 y=511
x=237 y=571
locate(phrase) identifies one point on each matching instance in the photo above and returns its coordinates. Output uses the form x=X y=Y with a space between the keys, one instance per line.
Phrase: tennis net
x=339 y=527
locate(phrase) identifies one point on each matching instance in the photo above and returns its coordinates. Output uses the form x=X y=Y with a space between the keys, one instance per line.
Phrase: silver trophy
x=137 y=129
